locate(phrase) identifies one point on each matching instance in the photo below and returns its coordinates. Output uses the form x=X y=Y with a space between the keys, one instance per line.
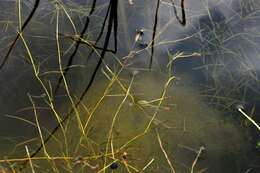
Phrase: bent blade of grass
x=27 y=21
x=249 y=118
x=38 y=158
x=68 y=16
x=100 y=100
x=22 y=144
x=202 y=148
x=147 y=165
x=114 y=78
x=36 y=73
x=29 y=158
x=63 y=77
x=19 y=15
x=21 y=119
x=141 y=107
x=115 y=117
x=38 y=126
x=152 y=118
x=160 y=102
x=50 y=99
x=165 y=153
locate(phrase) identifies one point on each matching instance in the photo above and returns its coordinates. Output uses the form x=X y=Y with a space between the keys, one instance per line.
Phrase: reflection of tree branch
x=154 y=33
x=101 y=33
x=81 y=40
x=76 y=47
x=183 y=21
x=115 y=22
x=111 y=22
x=36 y=4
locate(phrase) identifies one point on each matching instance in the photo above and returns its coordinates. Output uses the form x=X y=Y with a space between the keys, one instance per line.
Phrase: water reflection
x=214 y=59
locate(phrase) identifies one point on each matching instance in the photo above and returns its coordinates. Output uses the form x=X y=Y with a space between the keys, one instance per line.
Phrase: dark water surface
x=214 y=60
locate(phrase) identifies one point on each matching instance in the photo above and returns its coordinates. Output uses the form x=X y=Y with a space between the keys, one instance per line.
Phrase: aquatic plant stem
x=63 y=120
x=63 y=77
x=249 y=118
x=165 y=153
x=21 y=29
x=29 y=158
x=115 y=117
x=147 y=165
x=146 y=130
x=38 y=126
x=70 y=61
x=50 y=99
x=202 y=148
x=111 y=22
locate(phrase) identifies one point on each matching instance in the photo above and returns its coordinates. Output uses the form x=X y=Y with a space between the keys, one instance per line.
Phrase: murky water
x=184 y=122
x=139 y=120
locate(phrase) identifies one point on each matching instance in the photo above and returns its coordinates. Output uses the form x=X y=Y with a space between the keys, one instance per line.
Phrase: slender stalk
x=69 y=63
x=29 y=158
x=202 y=148
x=38 y=126
x=115 y=117
x=63 y=76
x=249 y=118
x=165 y=153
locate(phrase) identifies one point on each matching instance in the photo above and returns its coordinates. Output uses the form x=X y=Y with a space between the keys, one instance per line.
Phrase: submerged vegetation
x=130 y=86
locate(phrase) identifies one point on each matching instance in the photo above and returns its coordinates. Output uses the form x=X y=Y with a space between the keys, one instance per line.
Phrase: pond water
x=180 y=115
